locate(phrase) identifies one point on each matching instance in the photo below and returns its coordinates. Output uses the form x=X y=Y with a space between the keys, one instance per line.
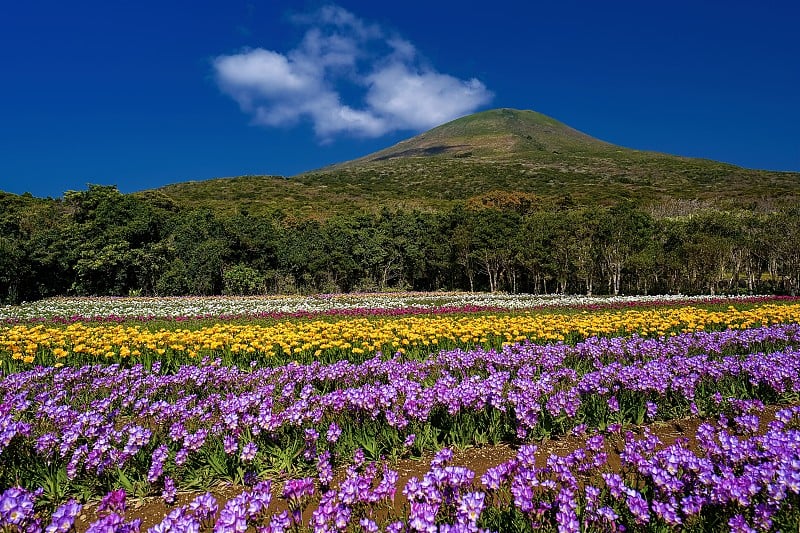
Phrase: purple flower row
x=730 y=472
x=732 y=475
x=96 y=419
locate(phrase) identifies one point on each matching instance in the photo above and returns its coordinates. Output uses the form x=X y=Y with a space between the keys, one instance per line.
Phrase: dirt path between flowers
x=152 y=510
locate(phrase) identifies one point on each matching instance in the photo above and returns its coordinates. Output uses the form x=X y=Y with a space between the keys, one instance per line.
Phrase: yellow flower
x=359 y=335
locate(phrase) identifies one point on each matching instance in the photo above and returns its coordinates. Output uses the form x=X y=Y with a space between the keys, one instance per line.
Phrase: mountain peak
x=494 y=133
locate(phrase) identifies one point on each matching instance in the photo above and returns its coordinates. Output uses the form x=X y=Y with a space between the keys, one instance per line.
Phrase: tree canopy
x=102 y=242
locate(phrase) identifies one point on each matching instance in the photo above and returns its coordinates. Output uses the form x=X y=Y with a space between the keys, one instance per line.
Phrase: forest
x=102 y=242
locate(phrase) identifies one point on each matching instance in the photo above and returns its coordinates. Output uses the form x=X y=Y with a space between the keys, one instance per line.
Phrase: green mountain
x=496 y=156
x=499 y=133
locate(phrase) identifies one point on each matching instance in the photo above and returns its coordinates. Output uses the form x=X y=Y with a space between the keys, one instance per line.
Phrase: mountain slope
x=503 y=150
x=495 y=133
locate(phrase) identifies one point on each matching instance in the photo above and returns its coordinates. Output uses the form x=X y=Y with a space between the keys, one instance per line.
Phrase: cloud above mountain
x=346 y=76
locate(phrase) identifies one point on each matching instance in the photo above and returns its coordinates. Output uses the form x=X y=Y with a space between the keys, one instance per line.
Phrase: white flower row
x=216 y=306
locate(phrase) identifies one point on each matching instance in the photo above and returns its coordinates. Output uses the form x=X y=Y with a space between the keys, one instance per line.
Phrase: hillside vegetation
x=501 y=201
x=516 y=152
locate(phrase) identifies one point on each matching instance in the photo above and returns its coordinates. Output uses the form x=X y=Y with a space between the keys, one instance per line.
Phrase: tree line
x=102 y=242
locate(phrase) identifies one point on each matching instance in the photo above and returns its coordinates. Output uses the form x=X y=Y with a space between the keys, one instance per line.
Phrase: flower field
x=355 y=337
x=114 y=309
x=306 y=417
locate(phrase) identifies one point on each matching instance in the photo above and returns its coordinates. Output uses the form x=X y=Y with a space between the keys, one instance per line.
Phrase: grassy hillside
x=497 y=150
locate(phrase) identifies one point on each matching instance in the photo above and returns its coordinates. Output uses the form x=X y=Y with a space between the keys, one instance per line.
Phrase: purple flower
x=333 y=433
x=763 y=515
x=395 y=527
x=16 y=506
x=63 y=519
x=423 y=516
x=296 y=491
x=159 y=456
x=368 y=525
x=324 y=468
x=667 y=512
x=114 y=523
x=442 y=457
x=229 y=444
x=613 y=404
x=342 y=516
x=260 y=497
x=177 y=520
x=232 y=518
x=592 y=496
x=194 y=441
x=249 y=451
x=471 y=506
x=747 y=423
x=607 y=513
x=738 y=524
x=311 y=437
x=579 y=430
x=113 y=502
x=169 y=492
x=387 y=486
x=182 y=456
x=137 y=437
x=279 y=523
x=494 y=477
x=358 y=457
x=204 y=507
x=615 y=484
x=595 y=443
x=250 y=478
x=526 y=455
x=692 y=505
x=567 y=520
x=109 y=523
x=638 y=506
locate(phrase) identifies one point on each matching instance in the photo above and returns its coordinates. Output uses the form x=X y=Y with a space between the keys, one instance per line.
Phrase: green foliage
x=241 y=280
x=502 y=200
x=112 y=245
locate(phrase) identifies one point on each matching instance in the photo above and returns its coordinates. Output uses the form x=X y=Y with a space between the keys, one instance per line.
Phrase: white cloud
x=261 y=73
x=342 y=55
x=414 y=99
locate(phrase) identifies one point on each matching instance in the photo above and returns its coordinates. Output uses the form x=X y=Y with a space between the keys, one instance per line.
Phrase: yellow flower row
x=363 y=335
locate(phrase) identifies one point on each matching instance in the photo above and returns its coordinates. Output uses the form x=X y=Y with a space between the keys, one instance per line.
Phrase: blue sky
x=142 y=94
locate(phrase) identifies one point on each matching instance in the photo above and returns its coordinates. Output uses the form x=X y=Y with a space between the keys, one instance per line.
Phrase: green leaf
x=124 y=481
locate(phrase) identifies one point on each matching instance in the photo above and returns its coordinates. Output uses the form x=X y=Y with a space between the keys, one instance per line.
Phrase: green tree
x=242 y=280
x=106 y=229
x=536 y=252
x=201 y=250
x=622 y=232
x=495 y=237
